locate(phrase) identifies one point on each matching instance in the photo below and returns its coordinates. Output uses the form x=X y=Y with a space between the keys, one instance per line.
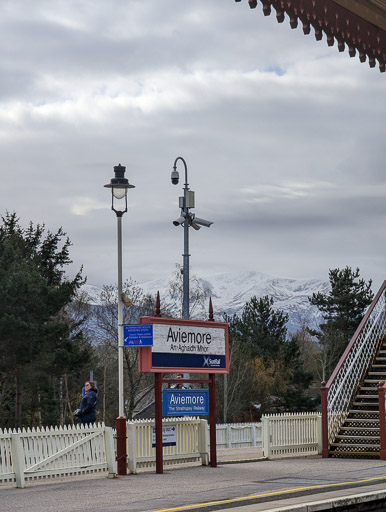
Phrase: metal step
x=356 y=411
x=366 y=404
x=362 y=420
x=364 y=429
x=357 y=438
x=358 y=446
x=356 y=454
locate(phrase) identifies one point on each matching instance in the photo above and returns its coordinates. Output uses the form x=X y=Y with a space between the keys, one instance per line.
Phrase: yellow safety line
x=273 y=493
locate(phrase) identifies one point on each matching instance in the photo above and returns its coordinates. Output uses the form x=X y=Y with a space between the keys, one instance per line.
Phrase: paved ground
x=240 y=484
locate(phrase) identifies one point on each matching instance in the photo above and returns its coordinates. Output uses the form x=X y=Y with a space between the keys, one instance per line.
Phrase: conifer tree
x=342 y=311
x=37 y=341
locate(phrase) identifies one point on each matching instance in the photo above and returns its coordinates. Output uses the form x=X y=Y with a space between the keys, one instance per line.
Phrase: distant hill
x=231 y=291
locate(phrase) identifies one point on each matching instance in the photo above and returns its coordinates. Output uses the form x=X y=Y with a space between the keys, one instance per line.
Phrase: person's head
x=89 y=385
x=179 y=376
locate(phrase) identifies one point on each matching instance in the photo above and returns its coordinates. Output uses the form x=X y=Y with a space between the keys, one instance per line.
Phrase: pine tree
x=266 y=369
x=37 y=341
x=342 y=311
x=262 y=327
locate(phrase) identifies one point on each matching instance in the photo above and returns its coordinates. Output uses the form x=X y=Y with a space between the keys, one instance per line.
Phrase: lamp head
x=119 y=184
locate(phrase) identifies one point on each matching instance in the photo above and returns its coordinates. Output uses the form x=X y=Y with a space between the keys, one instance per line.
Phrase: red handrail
x=356 y=334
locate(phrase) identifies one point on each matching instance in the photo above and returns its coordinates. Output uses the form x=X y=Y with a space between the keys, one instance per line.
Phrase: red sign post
x=185 y=346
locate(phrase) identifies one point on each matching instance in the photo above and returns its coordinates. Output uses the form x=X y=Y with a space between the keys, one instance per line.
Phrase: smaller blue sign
x=138 y=335
x=185 y=402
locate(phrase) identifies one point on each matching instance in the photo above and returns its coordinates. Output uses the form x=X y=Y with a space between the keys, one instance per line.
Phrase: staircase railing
x=338 y=393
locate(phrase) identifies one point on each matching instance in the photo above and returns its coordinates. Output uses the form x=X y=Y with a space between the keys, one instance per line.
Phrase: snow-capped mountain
x=231 y=291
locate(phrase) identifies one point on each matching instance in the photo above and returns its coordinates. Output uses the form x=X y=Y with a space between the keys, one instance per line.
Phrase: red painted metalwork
x=121 y=438
x=158 y=305
x=382 y=422
x=336 y=22
x=323 y=396
x=158 y=423
x=211 y=318
x=212 y=420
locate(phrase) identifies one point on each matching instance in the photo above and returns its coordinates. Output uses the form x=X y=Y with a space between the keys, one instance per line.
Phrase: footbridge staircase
x=353 y=400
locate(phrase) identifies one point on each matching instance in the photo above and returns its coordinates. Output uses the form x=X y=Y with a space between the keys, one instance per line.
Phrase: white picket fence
x=72 y=450
x=238 y=435
x=189 y=438
x=48 y=452
x=292 y=434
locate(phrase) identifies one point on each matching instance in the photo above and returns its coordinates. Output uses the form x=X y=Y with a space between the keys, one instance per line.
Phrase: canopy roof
x=359 y=25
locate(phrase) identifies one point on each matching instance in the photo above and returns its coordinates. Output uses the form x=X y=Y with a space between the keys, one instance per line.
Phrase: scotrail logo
x=210 y=363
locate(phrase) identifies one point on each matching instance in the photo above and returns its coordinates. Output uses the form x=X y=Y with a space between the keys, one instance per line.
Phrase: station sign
x=180 y=345
x=185 y=402
x=138 y=335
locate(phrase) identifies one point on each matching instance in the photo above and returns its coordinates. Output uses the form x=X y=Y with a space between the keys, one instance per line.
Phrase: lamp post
x=119 y=186
x=186 y=220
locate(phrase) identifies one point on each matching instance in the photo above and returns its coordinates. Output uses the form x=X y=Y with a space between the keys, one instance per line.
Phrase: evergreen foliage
x=342 y=310
x=266 y=369
x=39 y=341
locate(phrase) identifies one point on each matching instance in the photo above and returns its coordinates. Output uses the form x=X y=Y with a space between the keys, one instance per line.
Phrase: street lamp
x=186 y=219
x=119 y=186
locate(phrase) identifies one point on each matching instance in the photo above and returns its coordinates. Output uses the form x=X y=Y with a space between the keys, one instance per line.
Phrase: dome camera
x=175 y=177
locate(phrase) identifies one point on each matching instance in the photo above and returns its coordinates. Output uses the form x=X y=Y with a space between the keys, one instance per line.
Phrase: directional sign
x=182 y=402
x=169 y=437
x=138 y=335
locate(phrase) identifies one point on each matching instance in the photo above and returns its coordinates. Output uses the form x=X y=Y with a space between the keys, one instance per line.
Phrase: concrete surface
x=243 y=481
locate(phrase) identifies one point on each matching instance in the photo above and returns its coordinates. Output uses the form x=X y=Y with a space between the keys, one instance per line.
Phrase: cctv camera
x=175 y=177
x=195 y=226
x=179 y=221
x=202 y=222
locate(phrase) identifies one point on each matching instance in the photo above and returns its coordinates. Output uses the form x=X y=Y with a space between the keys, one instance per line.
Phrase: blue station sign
x=185 y=402
x=138 y=335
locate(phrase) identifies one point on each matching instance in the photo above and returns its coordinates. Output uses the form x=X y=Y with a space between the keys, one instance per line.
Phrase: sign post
x=182 y=346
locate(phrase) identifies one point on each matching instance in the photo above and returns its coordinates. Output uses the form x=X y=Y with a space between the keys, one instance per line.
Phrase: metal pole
x=120 y=320
x=185 y=309
x=158 y=423
x=212 y=420
x=186 y=259
x=121 y=420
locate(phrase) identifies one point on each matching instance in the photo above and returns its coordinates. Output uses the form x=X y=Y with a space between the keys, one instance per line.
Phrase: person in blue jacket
x=87 y=408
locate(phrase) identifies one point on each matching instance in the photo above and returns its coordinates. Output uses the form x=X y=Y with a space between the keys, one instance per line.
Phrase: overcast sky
x=284 y=137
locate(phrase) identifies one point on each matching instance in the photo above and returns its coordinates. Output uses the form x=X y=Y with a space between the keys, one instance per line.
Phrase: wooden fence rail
x=292 y=434
x=188 y=442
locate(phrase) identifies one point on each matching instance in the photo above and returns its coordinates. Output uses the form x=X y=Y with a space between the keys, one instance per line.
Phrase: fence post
x=203 y=442
x=110 y=451
x=382 y=432
x=18 y=460
x=323 y=396
x=253 y=434
x=229 y=436
x=266 y=443
x=132 y=435
x=319 y=434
